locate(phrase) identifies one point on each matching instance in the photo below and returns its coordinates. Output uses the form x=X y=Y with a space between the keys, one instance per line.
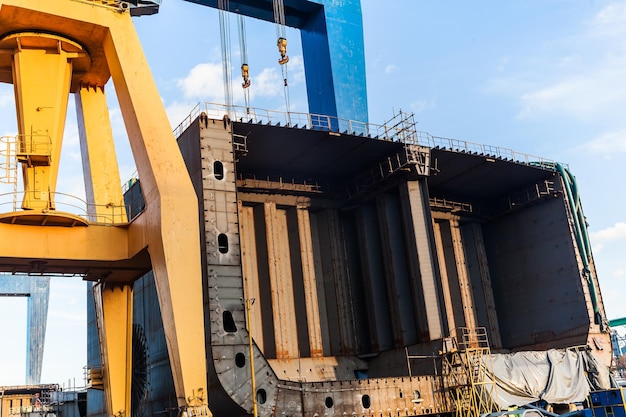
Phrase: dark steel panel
x=479 y=177
x=529 y=253
x=396 y=270
x=535 y=276
x=376 y=298
x=160 y=399
x=478 y=270
x=303 y=153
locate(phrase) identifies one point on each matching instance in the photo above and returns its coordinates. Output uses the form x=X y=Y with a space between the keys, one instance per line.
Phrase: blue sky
x=544 y=77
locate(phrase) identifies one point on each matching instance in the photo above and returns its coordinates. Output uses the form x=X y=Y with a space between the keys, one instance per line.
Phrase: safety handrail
x=400 y=128
x=110 y=214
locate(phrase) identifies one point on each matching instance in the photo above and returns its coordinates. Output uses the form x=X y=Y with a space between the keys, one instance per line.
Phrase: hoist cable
x=224 y=6
x=243 y=50
x=279 y=19
x=286 y=88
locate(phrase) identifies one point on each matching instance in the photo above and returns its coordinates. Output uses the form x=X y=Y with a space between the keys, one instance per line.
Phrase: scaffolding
x=464 y=371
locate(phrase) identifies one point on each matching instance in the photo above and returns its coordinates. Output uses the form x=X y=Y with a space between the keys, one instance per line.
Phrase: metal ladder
x=465 y=372
x=8 y=165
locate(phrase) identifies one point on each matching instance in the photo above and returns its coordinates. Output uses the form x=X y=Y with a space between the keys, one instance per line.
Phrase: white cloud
x=204 y=81
x=607 y=144
x=611 y=20
x=420 y=105
x=587 y=95
x=608 y=235
x=268 y=83
x=581 y=75
x=179 y=111
x=390 y=68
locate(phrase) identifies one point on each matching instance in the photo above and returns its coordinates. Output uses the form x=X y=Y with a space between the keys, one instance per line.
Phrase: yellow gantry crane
x=48 y=50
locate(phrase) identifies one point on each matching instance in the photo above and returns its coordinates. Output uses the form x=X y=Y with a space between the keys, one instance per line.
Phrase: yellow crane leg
x=42 y=105
x=169 y=226
x=115 y=325
x=170 y=222
x=101 y=172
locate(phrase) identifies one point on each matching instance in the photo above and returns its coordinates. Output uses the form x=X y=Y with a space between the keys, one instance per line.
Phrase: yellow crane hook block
x=282 y=49
x=245 y=74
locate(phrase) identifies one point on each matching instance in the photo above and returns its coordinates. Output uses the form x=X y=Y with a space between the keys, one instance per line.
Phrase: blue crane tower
x=332 y=45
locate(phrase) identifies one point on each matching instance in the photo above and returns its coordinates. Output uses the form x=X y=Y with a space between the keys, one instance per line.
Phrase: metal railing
x=34 y=145
x=397 y=132
x=109 y=214
x=498 y=152
x=28 y=409
x=401 y=128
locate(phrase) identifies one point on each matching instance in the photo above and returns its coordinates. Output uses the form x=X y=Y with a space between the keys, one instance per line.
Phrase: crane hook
x=282 y=49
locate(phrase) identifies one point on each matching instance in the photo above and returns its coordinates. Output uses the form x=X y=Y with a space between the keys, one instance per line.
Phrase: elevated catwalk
x=362 y=255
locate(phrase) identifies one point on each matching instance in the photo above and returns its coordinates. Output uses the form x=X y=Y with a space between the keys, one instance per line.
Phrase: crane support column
x=76 y=46
x=42 y=105
x=115 y=317
x=100 y=169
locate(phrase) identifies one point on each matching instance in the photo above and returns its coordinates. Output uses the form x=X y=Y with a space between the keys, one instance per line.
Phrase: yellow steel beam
x=115 y=316
x=172 y=227
x=42 y=106
x=169 y=227
x=102 y=243
x=101 y=172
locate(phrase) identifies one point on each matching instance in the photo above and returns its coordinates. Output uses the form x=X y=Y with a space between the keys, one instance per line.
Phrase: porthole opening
x=222 y=243
x=261 y=396
x=228 y=322
x=218 y=170
x=328 y=402
x=240 y=360
x=365 y=400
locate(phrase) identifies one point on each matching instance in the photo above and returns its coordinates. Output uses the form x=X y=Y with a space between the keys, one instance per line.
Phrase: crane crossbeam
x=329 y=32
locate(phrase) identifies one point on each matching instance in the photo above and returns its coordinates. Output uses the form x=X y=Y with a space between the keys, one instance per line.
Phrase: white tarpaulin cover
x=556 y=376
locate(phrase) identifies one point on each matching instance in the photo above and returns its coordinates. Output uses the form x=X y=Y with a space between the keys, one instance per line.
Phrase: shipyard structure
x=284 y=264
x=344 y=265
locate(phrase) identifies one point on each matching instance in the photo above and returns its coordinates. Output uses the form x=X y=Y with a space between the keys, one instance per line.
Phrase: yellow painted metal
x=282 y=49
x=249 y=302
x=171 y=214
x=102 y=177
x=168 y=228
x=116 y=333
x=42 y=69
x=464 y=372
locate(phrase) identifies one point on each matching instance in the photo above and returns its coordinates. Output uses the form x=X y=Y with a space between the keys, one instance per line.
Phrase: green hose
x=582 y=236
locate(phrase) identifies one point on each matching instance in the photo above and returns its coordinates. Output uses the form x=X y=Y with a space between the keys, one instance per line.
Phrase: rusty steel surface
x=356 y=293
